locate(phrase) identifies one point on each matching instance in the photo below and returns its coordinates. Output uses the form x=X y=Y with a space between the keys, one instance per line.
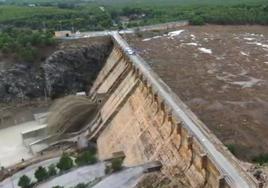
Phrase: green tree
x=261 y=159
x=41 y=174
x=81 y=185
x=232 y=148
x=24 y=43
x=24 y=182
x=86 y=158
x=197 y=20
x=52 y=171
x=65 y=162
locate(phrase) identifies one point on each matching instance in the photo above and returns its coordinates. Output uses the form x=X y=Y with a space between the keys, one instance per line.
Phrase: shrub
x=57 y=186
x=81 y=185
x=116 y=164
x=52 y=171
x=41 y=174
x=261 y=159
x=231 y=148
x=92 y=149
x=24 y=182
x=65 y=162
x=86 y=158
x=197 y=20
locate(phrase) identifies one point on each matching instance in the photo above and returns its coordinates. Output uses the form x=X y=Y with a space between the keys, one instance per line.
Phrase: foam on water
x=148 y=39
x=12 y=149
x=248 y=84
x=259 y=44
x=250 y=39
x=244 y=53
x=175 y=33
x=192 y=44
x=205 y=50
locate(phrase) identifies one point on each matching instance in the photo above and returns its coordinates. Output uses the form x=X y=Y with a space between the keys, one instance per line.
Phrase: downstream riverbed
x=12 y=149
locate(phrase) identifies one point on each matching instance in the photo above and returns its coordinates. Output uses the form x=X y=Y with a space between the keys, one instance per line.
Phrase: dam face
x=140 y=116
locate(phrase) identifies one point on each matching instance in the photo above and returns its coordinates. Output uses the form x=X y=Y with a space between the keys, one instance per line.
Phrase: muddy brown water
x=221 y=73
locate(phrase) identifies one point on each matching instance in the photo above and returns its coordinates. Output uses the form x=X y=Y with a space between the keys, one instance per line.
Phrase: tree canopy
x=24 y=182
x=41 y=174
x=24 y=43
x=65 y=163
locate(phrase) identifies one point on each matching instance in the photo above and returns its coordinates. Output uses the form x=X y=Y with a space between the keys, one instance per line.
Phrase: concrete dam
x=140 y=116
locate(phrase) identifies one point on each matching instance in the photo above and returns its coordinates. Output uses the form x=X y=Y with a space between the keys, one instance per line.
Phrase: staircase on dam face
x=142 y=117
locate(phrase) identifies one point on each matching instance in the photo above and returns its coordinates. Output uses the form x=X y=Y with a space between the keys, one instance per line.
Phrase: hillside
x=103 y=14
x=143 y=2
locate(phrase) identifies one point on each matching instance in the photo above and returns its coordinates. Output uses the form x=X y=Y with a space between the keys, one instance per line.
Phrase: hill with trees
x=114 y=14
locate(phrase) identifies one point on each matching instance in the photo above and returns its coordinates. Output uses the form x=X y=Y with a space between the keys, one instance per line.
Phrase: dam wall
x=140 y=116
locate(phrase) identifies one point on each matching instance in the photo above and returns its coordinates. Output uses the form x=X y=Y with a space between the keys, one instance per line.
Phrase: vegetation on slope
x=81 y=15
x=105 y=14
x=24 y=43
x=261 y=159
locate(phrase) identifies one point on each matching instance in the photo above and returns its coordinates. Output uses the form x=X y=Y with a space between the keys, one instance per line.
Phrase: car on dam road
x=129 y=51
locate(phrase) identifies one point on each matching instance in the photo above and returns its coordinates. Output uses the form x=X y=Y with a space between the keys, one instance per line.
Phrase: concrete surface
x=80 y=175
x=12 y=182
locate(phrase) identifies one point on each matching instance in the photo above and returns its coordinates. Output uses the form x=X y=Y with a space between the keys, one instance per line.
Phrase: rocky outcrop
x=21 y=82
x=66 y=71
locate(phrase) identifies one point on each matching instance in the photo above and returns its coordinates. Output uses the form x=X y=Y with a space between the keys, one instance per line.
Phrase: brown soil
x=227 y=88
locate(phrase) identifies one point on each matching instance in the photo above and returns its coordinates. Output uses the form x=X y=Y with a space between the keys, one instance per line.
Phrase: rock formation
x=66 y=71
